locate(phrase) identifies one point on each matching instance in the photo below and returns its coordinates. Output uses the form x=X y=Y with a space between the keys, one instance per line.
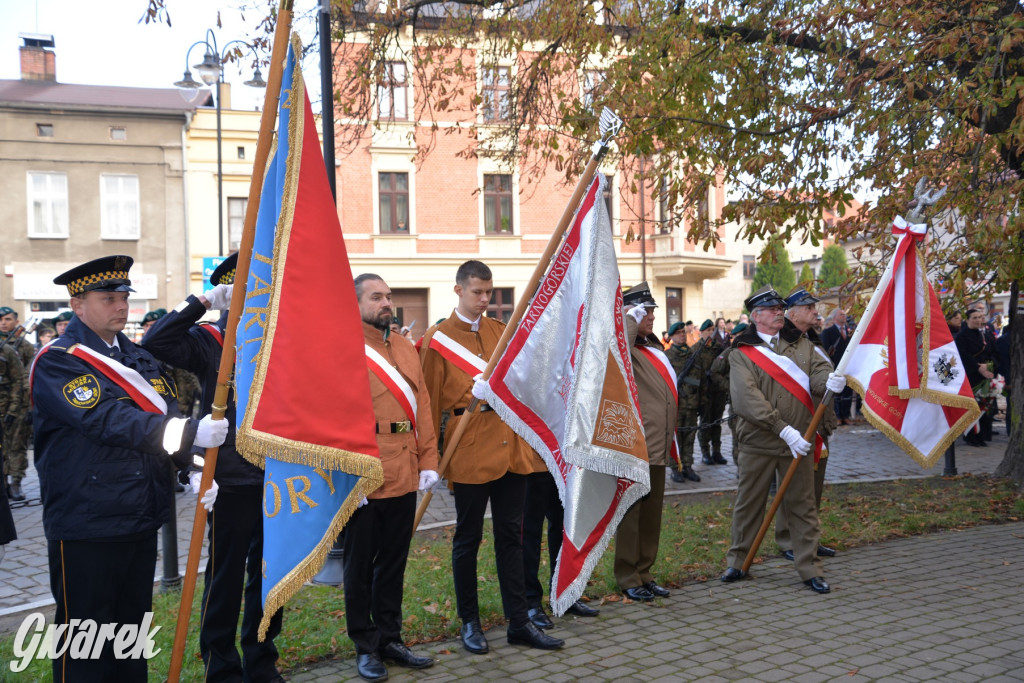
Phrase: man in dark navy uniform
x=105 y=424
x=236 y=523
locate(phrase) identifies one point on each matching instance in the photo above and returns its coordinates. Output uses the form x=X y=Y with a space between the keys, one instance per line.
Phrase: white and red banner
x=903 y=362
x=565 y=384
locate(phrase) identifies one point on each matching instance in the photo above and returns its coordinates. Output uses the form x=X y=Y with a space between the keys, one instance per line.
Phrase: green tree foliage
x=774 y=268
x=834 y=271
x=806 y=278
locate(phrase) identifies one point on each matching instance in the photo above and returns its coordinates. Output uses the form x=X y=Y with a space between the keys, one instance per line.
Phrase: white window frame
x=110 y=228
x=243 y=204
x=389 y=95
x=55 y=205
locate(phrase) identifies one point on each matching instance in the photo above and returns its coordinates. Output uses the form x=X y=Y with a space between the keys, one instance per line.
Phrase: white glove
x=220 y=297
x=835 y=382
x=638 y=313
x=362 y=503
x=210 y=497
x=795 y=441
x=479 y=387
x=211 y=432
x=428 y=478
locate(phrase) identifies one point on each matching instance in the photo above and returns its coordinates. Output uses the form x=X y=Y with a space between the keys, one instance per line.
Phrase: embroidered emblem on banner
x=945 y=368
x=82 y=392
x=615 y=425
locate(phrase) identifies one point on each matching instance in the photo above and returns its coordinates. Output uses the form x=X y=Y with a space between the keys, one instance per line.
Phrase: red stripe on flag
x=571 y=564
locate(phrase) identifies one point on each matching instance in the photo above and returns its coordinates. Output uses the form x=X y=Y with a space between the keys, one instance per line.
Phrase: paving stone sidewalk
x=859 y=453
x=942 y=607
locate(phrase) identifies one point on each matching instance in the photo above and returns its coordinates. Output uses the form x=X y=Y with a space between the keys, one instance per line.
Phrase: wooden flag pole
x=876 y=297
x=268 y=120
x=582 y=185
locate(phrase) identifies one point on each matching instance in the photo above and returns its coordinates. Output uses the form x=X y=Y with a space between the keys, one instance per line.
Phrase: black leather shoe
x=539 y=617
x=657 y=590
x=529 y=634
x=706 y=459
x=403 y=656
x=582 y=609
x=473 y=638
x=677 y=476
x=639 y=593
x=788 y=554
x=690 y=474
x=732 y=574
x=825 y=551
x=15 y=492
x=371 y=667
x=818 y=585
x=717 y=458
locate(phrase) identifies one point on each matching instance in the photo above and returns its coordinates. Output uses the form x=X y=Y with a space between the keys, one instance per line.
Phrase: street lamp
x=211 y=70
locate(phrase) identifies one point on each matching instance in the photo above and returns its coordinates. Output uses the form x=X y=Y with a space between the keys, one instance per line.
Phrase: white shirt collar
x=474 y=325
x=767 y=337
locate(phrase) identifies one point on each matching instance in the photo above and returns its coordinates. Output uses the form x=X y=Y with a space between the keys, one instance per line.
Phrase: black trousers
x=110 y=582
x=506 y=495
x=843 y=403
x=376 y=549
x=542 y=503
x=234 y=573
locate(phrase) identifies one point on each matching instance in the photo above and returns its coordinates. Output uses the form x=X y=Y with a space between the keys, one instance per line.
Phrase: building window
x=44 y=130
x=502 y=304
x=749 y=266
x=393 y=193
x=118 y=133
x=241 y=152
x=495 y=93
x=392 y=101
x=592 y=82
x=673 y=305
x=47 y=204
x=498 y=204
x=119 y=202
x=236 y=220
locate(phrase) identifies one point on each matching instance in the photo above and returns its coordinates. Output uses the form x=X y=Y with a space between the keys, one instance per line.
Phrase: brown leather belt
x=482 y=408
x=402 y=427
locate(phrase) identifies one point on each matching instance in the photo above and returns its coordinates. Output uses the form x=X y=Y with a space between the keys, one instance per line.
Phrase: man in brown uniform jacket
x=490 y=463
x=772 y=419
x=378 y=534
x=639 y=532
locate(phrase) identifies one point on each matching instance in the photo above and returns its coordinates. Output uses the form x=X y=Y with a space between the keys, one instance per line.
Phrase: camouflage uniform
x=188 y=390
x=714 y=396
x=17 y=436
x=687 y=415
x=720 y=374
x=12 y=391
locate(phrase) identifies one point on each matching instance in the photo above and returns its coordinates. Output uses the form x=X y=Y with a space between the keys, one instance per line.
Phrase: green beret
x=676 y=327
x=6 y=310
x=706 y=324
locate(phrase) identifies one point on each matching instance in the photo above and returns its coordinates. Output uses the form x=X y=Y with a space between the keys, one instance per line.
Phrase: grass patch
x=694 y=541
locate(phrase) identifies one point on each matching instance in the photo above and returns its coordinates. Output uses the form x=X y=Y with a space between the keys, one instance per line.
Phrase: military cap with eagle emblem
x=106 y=274
x=639 y=295
x=766 y=296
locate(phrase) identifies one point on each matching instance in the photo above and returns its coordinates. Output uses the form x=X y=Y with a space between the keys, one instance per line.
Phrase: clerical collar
x=474 y=325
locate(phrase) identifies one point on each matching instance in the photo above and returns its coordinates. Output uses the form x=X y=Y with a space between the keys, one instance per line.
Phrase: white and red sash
x=395 y=383
x=134 y=384
x=664 y=367
x=787 y=373
x=457 y=354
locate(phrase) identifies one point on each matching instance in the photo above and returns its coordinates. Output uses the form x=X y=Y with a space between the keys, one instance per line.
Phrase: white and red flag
x=565 y=384
x=903 y=362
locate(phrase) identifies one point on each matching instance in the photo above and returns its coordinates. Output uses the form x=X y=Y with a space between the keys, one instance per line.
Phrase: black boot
x=705 y=454
x=15 y=491
x=688 y=473
x=677 y=476
x=716 y=455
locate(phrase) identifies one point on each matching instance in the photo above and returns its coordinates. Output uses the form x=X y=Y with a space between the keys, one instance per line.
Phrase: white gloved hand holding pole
x=210 y=497
x=480 y=387
x=219 y=297
x=835 y=382
x=795 y=441
x=428 y=479
x=211 y=432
